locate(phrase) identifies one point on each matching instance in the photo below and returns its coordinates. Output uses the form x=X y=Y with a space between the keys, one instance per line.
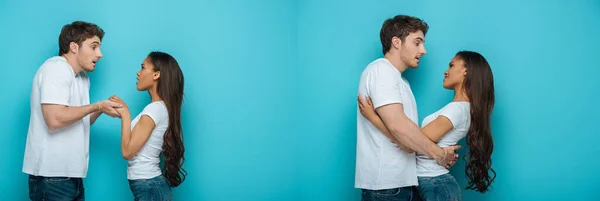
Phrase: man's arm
x=94 y=116
x=106 y=107
x=378 y=123
x=367 y=110
x=409 y=134
x=382 y=86
x=60 y=116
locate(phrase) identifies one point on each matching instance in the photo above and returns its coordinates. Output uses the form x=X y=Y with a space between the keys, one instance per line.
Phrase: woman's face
x=455 y=75
x=146 y=76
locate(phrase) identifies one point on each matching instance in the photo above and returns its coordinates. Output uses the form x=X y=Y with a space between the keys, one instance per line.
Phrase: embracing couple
x=396 y=159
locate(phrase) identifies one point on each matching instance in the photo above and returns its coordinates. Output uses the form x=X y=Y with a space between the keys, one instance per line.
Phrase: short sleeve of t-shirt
x=56 y=81
x=456 y=113
x=157 y=111
x=383 y=85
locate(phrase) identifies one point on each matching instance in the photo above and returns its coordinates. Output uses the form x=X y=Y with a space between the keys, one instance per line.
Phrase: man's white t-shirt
x=145 y=165
x=459 y=114
x=63 y=152
x=380 y=164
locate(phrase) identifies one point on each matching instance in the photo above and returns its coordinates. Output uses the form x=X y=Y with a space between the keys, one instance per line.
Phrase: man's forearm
x=411 y=136
x=94 y=116
x=57 y=117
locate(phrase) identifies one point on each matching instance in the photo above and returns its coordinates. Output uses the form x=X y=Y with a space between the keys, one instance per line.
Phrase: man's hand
x=109 y=107
x=449 y=156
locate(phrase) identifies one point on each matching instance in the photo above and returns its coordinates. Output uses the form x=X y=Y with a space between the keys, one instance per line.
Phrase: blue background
x=270 y=111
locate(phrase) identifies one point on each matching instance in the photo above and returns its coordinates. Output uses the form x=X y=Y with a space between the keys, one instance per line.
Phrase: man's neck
x=396 y=62
x=73 y=63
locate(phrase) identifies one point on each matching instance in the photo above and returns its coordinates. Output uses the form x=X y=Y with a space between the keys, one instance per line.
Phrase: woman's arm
x=437 y=128
x=133 y=140
x=434 y=130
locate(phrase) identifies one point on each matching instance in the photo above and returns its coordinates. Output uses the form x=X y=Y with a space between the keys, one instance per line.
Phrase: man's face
x=412 y=49
x=89 y=53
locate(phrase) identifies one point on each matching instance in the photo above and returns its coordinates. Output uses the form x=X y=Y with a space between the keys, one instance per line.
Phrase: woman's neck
x=460 y=95
x=154 y=95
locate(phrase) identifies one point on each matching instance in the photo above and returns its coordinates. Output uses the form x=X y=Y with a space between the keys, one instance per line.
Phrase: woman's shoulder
x=156 y=106
x=458 y=105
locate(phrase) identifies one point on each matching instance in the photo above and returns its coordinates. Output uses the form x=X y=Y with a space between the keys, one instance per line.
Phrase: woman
x=470 y=76
x=156 y=130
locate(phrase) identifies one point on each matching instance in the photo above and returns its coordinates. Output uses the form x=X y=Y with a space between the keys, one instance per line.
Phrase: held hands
x=122 y=111
x=109 y=107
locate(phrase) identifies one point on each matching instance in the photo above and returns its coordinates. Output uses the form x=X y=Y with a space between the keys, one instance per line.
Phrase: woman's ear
x=156 y=75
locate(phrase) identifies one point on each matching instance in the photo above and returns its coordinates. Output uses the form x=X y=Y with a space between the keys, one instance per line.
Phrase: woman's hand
x=123 y=111
x=366 y=108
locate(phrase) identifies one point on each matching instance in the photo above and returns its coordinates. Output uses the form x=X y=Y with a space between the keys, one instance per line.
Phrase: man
x=383 y=171
x=57 y=149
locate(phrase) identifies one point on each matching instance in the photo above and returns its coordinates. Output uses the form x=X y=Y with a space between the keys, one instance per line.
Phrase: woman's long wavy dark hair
x=479 y=86
x=170 y=90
